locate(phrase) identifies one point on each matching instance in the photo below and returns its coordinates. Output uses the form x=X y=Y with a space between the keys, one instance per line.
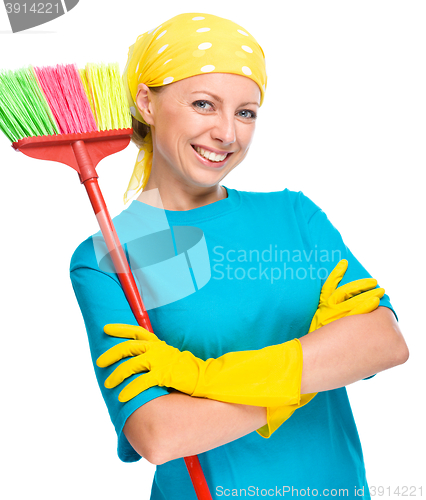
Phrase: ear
x=144 y=103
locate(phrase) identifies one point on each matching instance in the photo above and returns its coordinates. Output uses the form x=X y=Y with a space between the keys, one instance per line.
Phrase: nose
x=224 y=130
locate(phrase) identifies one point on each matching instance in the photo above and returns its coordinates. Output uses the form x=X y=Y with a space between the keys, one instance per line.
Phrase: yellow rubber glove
x=352 y=298
x=266 y=377
x=269 y=377
x=335 y=303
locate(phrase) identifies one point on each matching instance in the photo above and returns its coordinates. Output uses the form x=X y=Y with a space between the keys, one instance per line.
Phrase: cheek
x=246 y=134
x=193 y=124
x=183 y=125
x=168 y=128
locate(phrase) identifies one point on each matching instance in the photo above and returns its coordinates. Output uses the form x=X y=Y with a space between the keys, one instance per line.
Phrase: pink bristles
x=67 y=99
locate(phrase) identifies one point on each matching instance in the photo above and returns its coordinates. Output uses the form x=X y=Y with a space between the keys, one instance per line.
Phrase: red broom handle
x=88 y=177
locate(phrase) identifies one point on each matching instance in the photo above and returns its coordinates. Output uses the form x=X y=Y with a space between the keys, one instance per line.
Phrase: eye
x=247 y=114
x=203 y=105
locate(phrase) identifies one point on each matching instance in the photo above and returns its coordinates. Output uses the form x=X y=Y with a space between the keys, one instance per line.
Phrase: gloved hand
x=266 y=377
x=352 y=298
x=335 y=303
x=269 y=377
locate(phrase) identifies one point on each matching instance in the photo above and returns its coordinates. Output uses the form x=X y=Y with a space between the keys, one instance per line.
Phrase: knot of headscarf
x=184 y=46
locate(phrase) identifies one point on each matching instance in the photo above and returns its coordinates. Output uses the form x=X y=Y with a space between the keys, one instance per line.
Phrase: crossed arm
x=338 y=354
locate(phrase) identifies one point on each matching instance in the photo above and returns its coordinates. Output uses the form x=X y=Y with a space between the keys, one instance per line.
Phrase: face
x=202 y=126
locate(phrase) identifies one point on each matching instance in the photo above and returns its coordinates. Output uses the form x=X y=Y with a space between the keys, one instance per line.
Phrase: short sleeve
x=102 y=301
x=331 y=248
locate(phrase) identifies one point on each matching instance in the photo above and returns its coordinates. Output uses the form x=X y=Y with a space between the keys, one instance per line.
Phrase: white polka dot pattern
x=214 y=45
x=208 y=68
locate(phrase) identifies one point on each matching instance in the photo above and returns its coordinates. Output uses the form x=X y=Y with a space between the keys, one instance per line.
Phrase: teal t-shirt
x=242 y=273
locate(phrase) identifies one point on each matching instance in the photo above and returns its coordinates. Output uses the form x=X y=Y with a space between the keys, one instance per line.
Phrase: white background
x=344 y=120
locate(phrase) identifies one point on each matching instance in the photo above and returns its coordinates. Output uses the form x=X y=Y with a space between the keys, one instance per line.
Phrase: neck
x=180 y=198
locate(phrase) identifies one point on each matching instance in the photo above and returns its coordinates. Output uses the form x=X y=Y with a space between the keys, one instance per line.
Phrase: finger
x=333 y=280
x=121 y=351
x=351 y=289
x=364 y=302
x=129 y=332
x=138 y=364
x=367 y=306
x=354 y=302
x=349 y=305
x=137 y=386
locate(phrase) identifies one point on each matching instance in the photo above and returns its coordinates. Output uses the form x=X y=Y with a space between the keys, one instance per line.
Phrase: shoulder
x=84 y=255
x=286 y=201
x=93 y=254
x=92 y=251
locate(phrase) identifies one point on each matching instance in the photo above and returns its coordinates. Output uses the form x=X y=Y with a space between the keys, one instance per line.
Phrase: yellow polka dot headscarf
x=185 y=46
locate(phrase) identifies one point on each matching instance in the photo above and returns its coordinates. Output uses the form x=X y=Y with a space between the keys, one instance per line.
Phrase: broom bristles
x=23 y=109
x=36 y=93
x=67 y=99
x=108 y=96
x=88 y=91
x=62 y=100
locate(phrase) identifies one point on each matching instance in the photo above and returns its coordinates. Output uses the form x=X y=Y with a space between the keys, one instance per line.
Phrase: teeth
x=210 y=155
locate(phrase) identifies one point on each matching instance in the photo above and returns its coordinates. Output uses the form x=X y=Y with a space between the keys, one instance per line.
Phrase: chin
x=205 y=179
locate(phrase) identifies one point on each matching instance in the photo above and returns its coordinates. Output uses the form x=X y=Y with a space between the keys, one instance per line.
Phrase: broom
x=78 y=117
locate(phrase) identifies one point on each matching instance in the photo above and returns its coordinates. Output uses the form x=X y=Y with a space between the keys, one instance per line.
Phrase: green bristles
x=24 y=111
x=108 y=96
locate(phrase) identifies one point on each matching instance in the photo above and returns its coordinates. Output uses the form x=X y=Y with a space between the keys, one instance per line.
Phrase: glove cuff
x=277 y=415
x=268 y=377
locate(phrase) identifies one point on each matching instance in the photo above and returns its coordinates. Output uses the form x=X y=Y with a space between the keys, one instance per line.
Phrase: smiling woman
x=258 y=350
x=198 y=136
x=188 y=51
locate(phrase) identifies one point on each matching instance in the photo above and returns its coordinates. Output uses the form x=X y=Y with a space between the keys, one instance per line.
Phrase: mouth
x=209 y=157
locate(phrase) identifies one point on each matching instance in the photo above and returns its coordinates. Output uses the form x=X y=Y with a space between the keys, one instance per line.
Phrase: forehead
x=226 y=86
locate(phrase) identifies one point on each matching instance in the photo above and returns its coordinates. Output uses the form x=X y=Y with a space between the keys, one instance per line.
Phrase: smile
x=211 y=155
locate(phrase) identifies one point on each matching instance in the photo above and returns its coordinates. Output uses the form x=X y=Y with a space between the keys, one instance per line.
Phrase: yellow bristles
x=88 y=91
x=107 y=96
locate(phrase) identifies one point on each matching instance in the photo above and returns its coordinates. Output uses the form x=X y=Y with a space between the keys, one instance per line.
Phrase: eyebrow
x=217 y=98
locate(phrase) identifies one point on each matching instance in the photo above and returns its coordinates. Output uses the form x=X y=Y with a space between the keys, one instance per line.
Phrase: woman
x=197 y=82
